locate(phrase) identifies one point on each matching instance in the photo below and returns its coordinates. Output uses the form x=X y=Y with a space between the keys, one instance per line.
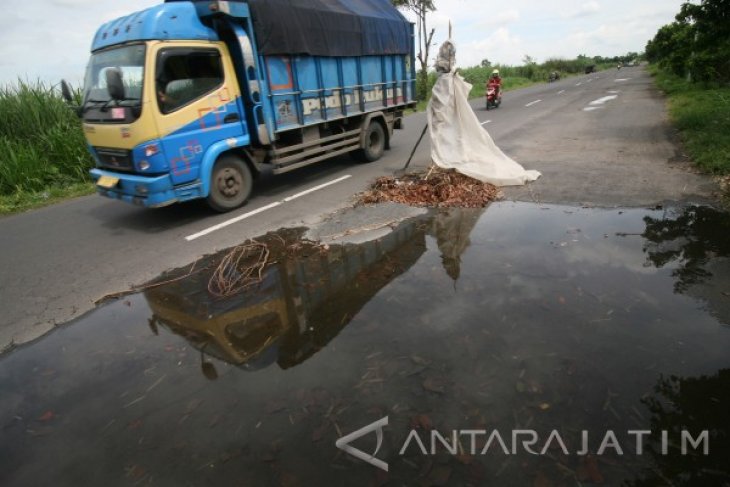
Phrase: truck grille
x=117 y=159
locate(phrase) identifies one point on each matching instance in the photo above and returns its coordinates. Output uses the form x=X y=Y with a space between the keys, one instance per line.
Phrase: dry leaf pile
x=437 y=188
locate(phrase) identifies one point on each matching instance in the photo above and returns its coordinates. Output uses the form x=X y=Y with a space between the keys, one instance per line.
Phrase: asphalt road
x=618 y=151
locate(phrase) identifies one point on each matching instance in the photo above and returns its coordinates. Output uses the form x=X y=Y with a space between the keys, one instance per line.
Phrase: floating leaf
x=289 y=480
x=209 y=370
x=418 y=360
x=47 y=416
x=135 y=472
x=422 y=421
x=276 y=406
x=439 y=476
x=433 y=384
x=541 y=480
x=589 y=471
x=319 y=432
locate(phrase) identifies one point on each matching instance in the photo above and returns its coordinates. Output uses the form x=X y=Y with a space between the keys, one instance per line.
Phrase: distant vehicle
x=554 y=76
x=192 y=99
x=591 y=68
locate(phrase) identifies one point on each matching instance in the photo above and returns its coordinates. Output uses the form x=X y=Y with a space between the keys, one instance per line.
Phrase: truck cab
x=180 y=101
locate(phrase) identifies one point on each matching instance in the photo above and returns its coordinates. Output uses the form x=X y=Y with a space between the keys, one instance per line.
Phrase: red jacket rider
x=495 y=81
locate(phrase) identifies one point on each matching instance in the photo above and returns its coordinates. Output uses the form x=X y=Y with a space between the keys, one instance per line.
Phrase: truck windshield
x=129 y=62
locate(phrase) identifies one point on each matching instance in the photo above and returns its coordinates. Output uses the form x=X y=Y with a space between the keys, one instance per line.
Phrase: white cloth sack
x=459 y=142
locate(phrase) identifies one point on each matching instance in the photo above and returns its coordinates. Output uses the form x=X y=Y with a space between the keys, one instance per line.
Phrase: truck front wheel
x=374 y=143
x=230 y=184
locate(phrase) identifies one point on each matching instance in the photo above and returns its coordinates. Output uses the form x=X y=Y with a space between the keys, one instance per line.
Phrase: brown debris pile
x=438 y=188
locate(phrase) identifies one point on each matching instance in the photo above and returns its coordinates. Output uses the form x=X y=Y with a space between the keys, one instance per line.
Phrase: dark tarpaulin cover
x=329 y=27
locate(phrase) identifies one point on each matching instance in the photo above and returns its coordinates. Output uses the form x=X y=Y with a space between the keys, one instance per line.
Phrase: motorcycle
x=494 y=96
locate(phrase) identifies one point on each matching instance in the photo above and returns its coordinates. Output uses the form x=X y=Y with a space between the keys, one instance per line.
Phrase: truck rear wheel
x=230 y=184
x=374 y=143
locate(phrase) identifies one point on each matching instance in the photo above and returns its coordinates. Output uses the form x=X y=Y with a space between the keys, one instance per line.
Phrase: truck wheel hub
x=229 y=182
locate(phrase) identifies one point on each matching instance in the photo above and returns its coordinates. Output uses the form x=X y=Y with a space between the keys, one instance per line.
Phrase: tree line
x=697 y=44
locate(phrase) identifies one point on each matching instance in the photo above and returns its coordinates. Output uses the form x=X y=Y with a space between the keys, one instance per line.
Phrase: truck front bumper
x=147 y=191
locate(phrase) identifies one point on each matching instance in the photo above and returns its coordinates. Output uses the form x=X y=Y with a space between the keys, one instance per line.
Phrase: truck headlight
x=144 y=165
x=151 y=150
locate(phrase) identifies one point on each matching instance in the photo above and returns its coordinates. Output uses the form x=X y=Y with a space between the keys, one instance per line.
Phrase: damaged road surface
x=514 y=317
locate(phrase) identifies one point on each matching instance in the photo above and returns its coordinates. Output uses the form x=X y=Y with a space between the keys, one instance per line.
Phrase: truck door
x=198 y=104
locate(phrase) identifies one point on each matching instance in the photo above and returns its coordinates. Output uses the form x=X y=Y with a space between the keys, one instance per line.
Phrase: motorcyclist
x=495 y=81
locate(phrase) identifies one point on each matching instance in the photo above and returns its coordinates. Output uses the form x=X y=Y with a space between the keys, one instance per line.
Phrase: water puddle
x=517 y=317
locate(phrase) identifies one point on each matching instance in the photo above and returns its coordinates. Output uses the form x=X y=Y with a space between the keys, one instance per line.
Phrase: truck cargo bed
x=307 y=90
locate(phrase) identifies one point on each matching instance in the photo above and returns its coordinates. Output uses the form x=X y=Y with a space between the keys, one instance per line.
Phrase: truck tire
x=374 y=143
x=230 y=184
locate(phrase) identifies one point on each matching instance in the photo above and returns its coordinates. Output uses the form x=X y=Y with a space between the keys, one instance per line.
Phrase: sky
x=49 y=39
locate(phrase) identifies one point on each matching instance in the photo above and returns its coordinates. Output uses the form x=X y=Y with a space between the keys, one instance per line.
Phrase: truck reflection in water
x=303 y=302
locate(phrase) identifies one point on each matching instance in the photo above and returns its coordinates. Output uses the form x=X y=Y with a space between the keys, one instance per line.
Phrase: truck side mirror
x=114 y=83
x=68 y=97
x=66 y=92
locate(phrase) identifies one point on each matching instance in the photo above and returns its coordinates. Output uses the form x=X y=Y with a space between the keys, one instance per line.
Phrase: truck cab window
x=185 y=75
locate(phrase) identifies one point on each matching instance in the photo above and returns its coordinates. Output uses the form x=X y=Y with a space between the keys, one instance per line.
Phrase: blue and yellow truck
x=196 y=99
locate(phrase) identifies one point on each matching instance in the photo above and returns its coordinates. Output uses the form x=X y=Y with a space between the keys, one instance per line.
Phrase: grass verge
x=29 y=200
x=702 y=115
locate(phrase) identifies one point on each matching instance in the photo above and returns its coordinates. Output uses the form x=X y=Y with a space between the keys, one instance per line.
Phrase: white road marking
x=590 y=109
x=561 y=92
x=532 y=103
x=226 y=223
x=622 y=79
x=317 y=188
x=603 y=100
x=578 y=84
x=237 y=219
x=484 y=123
x=613 y=91
x=591 y=79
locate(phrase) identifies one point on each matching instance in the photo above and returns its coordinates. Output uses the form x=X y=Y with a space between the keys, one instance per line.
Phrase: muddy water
x=515 y=318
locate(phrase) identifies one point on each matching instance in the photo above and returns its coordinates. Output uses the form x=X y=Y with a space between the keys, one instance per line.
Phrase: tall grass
x=41 y=141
